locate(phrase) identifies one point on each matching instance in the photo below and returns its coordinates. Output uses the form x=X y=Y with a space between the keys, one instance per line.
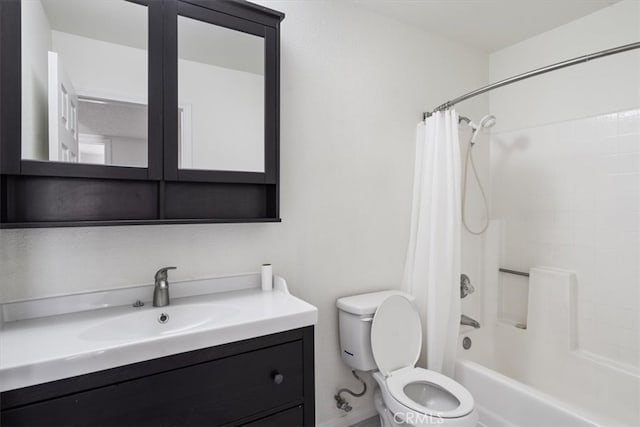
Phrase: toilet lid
x=396 y=335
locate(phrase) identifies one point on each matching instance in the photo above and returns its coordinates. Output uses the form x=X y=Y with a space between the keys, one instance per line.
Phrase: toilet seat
x=396 y=341
x=399 y=380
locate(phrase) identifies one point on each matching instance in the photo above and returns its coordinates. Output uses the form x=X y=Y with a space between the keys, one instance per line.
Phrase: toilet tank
x=355 y=314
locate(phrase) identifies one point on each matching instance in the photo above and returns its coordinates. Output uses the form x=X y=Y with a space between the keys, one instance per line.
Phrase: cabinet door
x=90 y=89
x=220 y=96
x=214 y=393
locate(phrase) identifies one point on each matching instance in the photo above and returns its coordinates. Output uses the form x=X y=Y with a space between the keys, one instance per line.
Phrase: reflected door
x=83 y=63
x=63 y=113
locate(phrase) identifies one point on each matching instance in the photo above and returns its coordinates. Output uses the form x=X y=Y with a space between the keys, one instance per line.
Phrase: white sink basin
x=61 y=337
x=145 y=323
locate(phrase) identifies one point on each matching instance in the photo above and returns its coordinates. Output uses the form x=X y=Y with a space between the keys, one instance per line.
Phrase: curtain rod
x=532 y=73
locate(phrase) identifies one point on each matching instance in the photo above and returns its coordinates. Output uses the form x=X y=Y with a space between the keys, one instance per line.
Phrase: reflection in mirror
x=84 y=81
x=220 y=97
x=119 y=127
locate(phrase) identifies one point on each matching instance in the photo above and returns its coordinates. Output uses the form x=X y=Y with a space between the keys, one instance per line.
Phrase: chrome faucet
x=161 y=289
x=468 y=321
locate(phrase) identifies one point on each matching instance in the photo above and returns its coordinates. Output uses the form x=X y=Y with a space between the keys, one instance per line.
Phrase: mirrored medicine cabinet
x=138 y=111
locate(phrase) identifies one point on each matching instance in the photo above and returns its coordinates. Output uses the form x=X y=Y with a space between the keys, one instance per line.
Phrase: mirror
x=220 y=98
x=84 y=81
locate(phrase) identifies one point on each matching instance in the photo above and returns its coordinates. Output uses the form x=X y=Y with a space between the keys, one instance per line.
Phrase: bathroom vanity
x=240 y=357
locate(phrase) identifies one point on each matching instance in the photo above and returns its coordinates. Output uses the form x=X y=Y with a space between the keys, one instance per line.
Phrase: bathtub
x=504 y=402
x=540 y=375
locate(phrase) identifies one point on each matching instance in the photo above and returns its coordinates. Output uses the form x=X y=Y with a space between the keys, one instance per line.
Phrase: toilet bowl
x=407 y=395
x=424 y=398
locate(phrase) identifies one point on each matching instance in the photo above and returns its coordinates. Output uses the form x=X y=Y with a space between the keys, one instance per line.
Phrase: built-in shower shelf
x=512 y=323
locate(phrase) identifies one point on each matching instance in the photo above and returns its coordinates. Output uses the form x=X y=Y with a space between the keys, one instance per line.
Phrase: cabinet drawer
x=290 y=418
x=210 y=394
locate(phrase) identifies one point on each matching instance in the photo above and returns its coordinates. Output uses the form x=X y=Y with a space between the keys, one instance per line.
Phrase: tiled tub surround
x=49 y=339
x=568 y=195
x=542 y=362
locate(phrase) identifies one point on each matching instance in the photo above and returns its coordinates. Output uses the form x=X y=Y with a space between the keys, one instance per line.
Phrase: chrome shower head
x=486 y=122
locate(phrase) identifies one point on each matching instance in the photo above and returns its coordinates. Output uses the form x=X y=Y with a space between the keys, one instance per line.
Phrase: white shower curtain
x=432 y=268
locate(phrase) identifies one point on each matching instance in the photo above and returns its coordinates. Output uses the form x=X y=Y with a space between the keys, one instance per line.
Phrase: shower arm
x=533 y=73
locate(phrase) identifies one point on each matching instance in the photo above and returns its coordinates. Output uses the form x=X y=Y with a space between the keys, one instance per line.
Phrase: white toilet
x=381 y=332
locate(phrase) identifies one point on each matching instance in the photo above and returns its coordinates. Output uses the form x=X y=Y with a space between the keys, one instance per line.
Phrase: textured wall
x=354 y=85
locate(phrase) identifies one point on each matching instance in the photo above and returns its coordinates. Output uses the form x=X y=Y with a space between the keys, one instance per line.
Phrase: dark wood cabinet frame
x=52 y=194
x=176 y=390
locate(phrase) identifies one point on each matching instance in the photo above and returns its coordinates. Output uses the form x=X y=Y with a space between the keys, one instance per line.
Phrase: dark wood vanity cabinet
x=265 y=381
x=205 y=150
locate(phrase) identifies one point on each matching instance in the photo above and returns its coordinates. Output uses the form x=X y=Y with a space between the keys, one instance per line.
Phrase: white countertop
x=43 y=349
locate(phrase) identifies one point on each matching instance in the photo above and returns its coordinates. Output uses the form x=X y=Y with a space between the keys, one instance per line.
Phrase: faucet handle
x=162 y=273
x=466 y=287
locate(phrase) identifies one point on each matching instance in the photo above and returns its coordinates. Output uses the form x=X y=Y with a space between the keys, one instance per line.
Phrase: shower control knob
x=278 y=378
x=466 y=287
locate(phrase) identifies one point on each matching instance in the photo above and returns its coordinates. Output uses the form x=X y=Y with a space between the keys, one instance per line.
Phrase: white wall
x=354 y=85
x=36 y=41
x=226 y=117
x=102 y=69
x=601 y=86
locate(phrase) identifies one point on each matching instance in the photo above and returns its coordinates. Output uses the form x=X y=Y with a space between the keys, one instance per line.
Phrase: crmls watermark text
x=415 y=418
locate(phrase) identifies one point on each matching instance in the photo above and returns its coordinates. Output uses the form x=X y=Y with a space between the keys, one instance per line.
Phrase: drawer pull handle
x=278 y=378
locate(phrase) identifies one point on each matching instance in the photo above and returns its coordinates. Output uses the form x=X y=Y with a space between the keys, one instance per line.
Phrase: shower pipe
x=533 y=73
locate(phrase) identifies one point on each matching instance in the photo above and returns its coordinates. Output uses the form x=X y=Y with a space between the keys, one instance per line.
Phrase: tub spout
x=468 y=321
